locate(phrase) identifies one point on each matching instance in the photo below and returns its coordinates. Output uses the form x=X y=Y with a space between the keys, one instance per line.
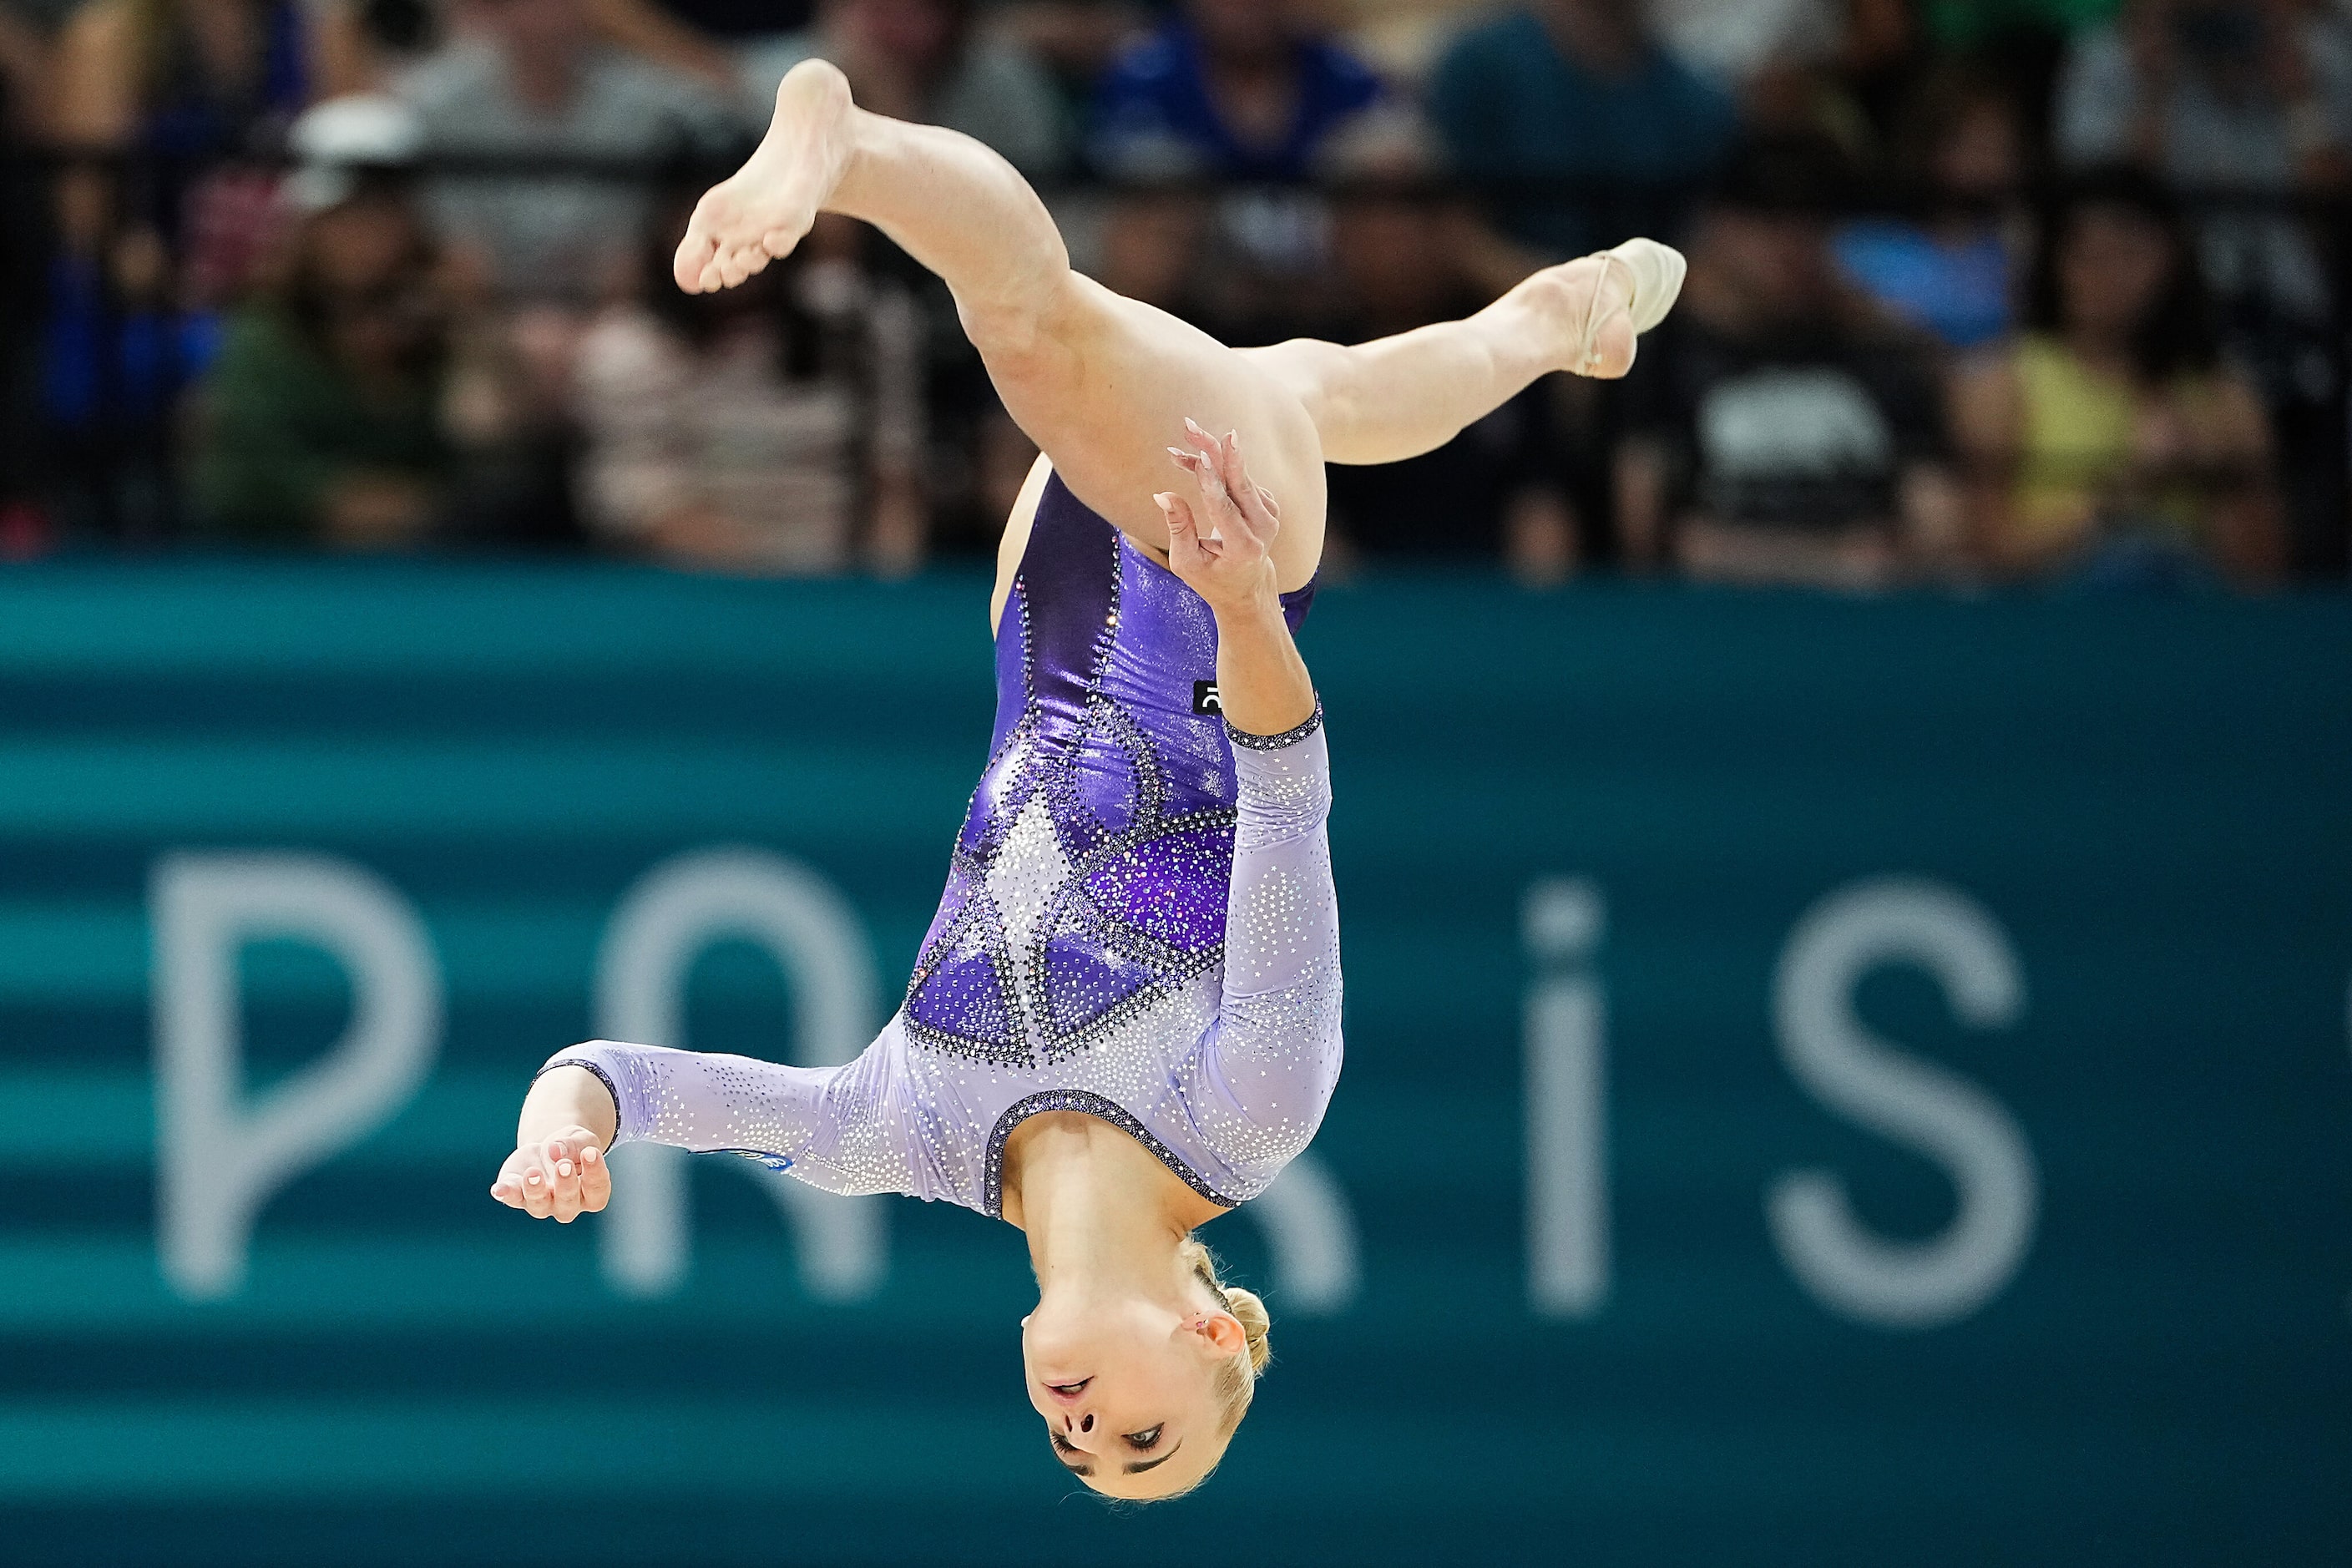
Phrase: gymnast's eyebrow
x=1151 y=1463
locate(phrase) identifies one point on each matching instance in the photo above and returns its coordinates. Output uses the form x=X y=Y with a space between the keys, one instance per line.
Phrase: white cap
x=333 y=137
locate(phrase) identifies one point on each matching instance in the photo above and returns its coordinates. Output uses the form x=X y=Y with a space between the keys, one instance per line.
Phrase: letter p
x=220 y=1158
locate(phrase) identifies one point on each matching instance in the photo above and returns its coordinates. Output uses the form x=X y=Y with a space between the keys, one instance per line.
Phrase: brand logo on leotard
x=1205 y=699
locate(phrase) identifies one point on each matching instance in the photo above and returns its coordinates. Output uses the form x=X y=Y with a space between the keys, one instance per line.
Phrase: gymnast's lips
x=1068 y=1390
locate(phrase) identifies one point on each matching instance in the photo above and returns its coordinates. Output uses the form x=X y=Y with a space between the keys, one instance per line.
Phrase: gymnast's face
x=1128 y=1390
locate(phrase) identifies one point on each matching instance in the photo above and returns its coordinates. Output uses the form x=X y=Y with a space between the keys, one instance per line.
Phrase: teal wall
x=2139 y=814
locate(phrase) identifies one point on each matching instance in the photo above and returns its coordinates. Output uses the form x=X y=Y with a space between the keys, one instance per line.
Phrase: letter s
x=1942 y=1117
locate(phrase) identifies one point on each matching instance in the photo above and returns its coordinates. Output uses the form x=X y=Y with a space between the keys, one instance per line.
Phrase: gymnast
x=1124 y=1018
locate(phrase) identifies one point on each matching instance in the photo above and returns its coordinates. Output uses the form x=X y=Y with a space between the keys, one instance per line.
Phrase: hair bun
x=1255 y=1324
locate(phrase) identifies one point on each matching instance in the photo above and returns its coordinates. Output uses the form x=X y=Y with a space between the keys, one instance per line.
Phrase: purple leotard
x=1138 y=924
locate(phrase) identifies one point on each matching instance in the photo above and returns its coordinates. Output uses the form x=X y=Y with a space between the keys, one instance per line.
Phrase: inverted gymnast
x=1124 y=1018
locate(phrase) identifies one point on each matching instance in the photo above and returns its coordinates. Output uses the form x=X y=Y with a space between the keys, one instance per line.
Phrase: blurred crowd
x=1981 y=290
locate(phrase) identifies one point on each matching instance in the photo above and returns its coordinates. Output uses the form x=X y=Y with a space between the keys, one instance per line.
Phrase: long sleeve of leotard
x=832 y=1127
x=1259 y=1084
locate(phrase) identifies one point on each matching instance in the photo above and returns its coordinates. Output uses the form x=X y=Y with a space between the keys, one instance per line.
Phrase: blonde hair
x=1236 y=1380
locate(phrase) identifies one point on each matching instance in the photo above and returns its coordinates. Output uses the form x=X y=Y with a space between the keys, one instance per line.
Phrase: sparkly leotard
x=1138 y=924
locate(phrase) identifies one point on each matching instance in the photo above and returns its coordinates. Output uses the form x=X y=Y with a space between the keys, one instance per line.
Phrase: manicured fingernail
x=1179 y=453
x=532 y=1179
x=564 y=1167
x=588 y=1156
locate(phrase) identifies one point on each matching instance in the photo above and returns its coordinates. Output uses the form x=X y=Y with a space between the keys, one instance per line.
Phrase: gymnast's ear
x=1220 y=1332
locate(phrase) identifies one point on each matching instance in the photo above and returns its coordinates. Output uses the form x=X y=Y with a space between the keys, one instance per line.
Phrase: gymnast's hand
x=558 y=1169
x=1221 y=546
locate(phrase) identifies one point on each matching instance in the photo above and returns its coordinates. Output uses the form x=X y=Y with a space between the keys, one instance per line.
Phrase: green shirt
x=283 y=424
x=1965 y=22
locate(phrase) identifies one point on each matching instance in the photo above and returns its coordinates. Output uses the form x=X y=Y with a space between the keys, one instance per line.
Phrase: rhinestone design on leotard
x=1139 y=925
x=1289 y=737
x=1089 y=883
x=1093 y=1105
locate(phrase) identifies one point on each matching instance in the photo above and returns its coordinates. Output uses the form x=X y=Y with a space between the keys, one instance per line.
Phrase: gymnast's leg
x=1102 y=384
x=1404 y=395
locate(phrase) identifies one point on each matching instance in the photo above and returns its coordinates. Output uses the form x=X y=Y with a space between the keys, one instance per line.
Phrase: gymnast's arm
x=1265 y=1071
x=1220 y=544
x=1268 y=1065
x=832 y=1126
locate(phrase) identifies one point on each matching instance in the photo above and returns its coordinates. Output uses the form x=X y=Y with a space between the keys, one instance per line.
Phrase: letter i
x=1561 y=920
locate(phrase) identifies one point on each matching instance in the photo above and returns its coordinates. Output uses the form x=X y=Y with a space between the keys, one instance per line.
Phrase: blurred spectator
x=1074 y=39
x=1967 y=24
x=1795 y=65
x=756 y=429
x=2235 y=94
x=319 y=426
x=26 y=68
x=1244 y=90
x=2110 y=442
x=197 y=87
x=1777 y=430
x=375 y=45
x=929 y=61
x=1574 y=90
x=24 y=89
x=1735 y=41
x=1950 y=271
x=538 y=83
x=195 y=97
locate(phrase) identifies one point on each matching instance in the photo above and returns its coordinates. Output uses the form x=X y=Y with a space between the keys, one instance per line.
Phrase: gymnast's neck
x=1097 y=1208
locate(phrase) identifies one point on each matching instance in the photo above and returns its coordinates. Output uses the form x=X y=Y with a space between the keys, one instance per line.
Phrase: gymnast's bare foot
x=1595 y=307
x=761 y=212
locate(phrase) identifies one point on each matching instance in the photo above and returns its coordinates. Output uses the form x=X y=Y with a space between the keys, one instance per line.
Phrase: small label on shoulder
x=1205 y=699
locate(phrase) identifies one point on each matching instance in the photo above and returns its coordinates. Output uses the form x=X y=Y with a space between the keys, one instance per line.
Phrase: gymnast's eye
x=1145 y=1441
x=1061 y=1443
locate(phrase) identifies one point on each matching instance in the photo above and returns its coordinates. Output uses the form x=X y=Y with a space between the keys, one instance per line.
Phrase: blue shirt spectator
x=1951 y=269
x=1576 y=89
x=1959 y=293
x=1230 y=89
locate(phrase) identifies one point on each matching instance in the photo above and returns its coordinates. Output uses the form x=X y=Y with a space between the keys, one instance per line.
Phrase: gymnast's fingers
x=537 y=1201
x=508 y=1185
x=1242 y=491
x=1212 y=451
x=1252 y=500
x=1226 y=509
x=595 y=1180
x=564 y=1173
x=1187 y=549
x=1229 y=463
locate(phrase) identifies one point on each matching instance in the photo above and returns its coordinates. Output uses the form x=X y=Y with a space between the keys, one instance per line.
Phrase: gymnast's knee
x=1024 y=323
